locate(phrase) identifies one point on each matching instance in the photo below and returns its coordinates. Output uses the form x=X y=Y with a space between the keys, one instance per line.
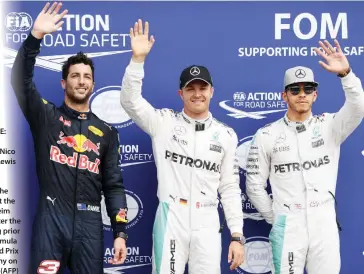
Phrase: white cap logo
x=300 y=73
x=194 y=71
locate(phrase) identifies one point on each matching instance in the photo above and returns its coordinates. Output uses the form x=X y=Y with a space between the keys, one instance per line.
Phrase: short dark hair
x=79 y=58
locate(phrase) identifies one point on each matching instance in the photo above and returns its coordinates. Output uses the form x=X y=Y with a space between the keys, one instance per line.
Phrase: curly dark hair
x=79 y=58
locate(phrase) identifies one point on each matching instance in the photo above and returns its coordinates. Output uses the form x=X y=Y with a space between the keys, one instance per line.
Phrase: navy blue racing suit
x=77 y=158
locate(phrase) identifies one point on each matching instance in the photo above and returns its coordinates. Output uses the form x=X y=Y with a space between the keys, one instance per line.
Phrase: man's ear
x=180 y=92
x=284 y=96
x=63 y=84
x=315 y=95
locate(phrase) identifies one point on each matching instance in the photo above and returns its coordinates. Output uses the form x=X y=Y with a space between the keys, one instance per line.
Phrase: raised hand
x=141 y=44
x=48 y=20
x=335 y=59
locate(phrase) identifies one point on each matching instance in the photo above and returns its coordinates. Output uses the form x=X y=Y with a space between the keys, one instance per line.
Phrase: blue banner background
x=207 y=33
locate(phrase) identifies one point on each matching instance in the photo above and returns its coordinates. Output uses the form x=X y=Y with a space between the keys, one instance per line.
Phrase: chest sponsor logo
x=80 y=144
x=316 y=132
x=318 y=143
x=65 y=122
x=180 y=141
x=307 y=165
x=281 y=149
x=215 y=148
x=188 y=161
x=180 y=130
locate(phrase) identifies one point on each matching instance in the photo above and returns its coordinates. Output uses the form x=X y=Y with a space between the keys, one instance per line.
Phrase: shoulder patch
x=96 y=131
x=230 y=131
x=220 y=123
x=265 y=129
x=320 y=117
x=167 y=111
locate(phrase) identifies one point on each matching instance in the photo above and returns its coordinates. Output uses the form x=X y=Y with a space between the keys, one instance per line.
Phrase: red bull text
x=80 y=144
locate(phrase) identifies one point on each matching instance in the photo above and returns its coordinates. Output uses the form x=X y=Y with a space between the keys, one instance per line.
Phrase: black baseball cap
x=194 y=72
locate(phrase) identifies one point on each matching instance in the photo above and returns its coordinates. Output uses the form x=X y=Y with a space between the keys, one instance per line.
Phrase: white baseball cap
x=299 y=74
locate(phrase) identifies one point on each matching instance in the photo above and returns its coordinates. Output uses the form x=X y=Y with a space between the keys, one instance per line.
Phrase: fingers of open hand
x=324 y=65
x=151 y=41
x=337 y=45
x=140 y=27
x=52 y=8
x=329 y=46
x=45 y=8
x=136 y=29
x=63 y=14
x=324 y=47
x=319 y=52
x=146 y=29
x=57 y=8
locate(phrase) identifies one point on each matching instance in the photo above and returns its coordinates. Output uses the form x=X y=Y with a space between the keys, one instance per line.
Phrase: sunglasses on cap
x=295 y=89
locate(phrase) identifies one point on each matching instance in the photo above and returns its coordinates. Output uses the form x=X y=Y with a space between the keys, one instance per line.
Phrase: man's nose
x=197 y=92
x=302 y=92
x=81 y=81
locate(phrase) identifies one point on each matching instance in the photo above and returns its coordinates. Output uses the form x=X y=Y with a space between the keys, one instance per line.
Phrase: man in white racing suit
x=299 y=154
x=195 y=159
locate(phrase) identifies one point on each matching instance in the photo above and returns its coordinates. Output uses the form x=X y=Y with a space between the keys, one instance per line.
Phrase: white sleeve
x=257 y=174
x=348 y=118
x=229 y=188
x=140 y=110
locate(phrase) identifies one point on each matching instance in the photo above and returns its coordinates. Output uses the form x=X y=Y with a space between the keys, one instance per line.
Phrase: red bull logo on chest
x=79 y=143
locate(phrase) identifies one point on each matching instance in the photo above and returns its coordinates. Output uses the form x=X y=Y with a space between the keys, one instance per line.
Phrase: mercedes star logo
x=194 y=71
x=300 y=73
x=180 y=130
x=281 y=138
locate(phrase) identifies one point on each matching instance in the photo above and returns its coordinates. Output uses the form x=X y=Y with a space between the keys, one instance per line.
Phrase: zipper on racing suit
x=193 y=174
x=75 y=210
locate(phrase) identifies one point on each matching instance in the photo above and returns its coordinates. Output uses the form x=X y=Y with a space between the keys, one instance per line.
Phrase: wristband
x=240 y=239
x=120 y=235
x=341 y=75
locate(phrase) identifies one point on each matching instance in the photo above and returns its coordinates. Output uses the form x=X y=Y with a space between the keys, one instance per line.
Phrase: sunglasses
x=295 y=90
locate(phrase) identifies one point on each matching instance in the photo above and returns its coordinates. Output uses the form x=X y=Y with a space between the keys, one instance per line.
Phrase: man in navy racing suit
x=195 y=159
x=76 y=158
x=299 y=154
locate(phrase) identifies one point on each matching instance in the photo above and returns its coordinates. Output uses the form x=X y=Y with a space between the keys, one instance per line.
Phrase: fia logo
x=18 y=21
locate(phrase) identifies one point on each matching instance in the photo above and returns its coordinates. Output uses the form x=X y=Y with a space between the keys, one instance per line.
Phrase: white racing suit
x=301 y=162
x=195 y=161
